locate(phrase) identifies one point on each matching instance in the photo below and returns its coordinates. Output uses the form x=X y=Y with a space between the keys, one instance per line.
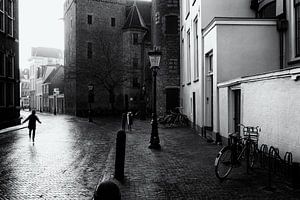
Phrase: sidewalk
x=184 y=169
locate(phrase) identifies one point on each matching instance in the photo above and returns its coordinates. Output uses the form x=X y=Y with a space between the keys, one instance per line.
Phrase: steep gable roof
x=134 y=19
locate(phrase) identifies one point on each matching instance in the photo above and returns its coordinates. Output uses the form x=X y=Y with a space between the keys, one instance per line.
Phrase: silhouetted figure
x=32 y=124
x=129 y=120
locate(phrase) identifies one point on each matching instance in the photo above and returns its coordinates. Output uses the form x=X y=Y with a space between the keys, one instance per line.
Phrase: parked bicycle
x=238 y=149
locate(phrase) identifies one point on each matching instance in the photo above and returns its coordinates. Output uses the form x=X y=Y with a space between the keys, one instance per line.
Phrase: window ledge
x=194 y=3
x=294 y=61
x=187 y=15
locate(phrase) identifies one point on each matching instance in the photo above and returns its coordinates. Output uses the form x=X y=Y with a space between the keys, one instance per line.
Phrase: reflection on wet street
x=65 y=162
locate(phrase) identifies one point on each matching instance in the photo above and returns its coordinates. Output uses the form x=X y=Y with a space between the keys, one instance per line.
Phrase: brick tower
x=165 y=35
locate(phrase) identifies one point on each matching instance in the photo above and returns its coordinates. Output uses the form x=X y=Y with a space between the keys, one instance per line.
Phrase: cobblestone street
x=70 y=156
x=65 y=162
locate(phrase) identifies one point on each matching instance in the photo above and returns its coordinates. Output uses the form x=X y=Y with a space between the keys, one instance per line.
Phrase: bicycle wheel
x=223 y=163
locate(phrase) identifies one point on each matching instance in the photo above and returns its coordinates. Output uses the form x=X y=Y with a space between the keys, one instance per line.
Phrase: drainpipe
x=282 y=26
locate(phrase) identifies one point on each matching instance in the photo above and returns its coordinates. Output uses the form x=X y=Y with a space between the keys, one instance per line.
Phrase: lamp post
x=90 y=100
x=154 y=57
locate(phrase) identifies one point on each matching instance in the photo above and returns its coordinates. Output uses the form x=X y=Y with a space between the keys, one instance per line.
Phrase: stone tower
x=166 y=36
x=89 y=24
x=135 y=32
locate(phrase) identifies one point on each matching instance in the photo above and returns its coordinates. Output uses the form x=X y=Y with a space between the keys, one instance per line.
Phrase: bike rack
x=263 y=155
x=271 y=160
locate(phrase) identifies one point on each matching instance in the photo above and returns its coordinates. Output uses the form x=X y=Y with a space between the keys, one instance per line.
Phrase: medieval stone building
x=107 y=45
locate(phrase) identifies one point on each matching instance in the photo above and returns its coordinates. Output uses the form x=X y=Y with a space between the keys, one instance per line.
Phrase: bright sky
x=41 y=25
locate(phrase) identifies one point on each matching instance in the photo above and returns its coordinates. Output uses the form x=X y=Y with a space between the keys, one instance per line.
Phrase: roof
x=46 y=52
x=53 y=74
x=134 y=18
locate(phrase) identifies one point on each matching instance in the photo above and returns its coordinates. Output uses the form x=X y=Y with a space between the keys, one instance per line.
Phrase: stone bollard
x=120 y=155
x=124 y=119
x=107 y=190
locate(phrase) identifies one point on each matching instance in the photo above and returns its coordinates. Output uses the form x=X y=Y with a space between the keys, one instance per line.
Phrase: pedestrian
x=32 y=124
x=129 y=120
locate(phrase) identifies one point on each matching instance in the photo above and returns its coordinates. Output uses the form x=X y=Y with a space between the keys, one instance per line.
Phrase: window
x=2 y=94
x=268 y=11
x=135 y=82
x=135 y=38
x=173 y=3
x=113 y=22
x=173 y=64
x=2 y=65
x=10 y=94
x=10 y=17
x=196 y=49
x=188 y=57
x=89 y=50
x=171 y=24
x=135 y=62
x=10 y=66
x=210 y=62
x=297 y=22
x=90 y=19
x=1 y=15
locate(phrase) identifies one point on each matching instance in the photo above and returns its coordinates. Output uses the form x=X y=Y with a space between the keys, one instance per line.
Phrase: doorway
x=236 y=110
x=209 y=103
x=194 y=109
x=172 y=98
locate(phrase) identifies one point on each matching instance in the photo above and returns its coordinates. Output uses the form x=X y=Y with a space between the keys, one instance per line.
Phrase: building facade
x=53 y=91
x=105 y=45
x=24 y=89
x=221 y=42
x=240 y=66
x=9 y=64
x=270 y=99
x=41 y=60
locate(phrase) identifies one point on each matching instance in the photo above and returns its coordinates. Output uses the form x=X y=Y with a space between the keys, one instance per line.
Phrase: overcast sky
x=41 y=25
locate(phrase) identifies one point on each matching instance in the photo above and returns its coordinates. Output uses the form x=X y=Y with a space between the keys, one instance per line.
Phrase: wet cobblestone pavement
x=65 y=162
x=184 y=169
x=71 y=155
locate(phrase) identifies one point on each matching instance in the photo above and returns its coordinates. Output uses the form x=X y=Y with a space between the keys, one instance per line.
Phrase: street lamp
x=90 y=100
x=154 y=57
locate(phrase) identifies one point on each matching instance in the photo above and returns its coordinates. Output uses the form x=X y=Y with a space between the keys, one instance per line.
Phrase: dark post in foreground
x=90 y=100
x=107 y=190
x=120 y=155
x=154 y=60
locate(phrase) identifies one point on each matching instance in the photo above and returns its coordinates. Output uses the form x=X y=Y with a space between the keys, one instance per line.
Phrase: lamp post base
x=154 y=146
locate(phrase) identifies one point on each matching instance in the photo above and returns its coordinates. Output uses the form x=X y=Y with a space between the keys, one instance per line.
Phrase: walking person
x=32 y=124
x=129 y=120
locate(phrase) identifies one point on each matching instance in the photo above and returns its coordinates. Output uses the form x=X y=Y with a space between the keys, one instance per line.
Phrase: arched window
x=268 y=11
